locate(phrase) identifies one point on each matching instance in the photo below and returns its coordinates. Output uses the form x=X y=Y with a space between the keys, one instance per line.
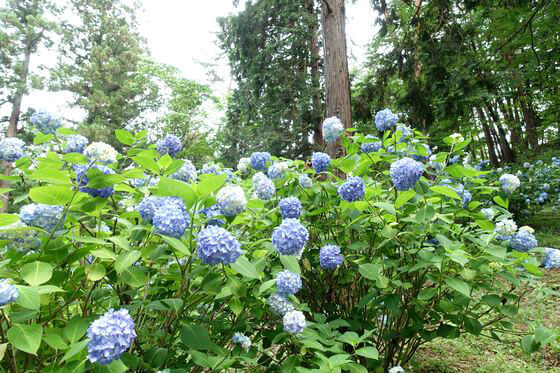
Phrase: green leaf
x=165 y=161
x=427 y=294
x=176 y=188
x=55 y=341
x=243 y=266
x=290 y=364
x=124 y=136
x=492 y=300
x=105 y=180
x=235 y=305
x=446 y=191
x=95 y=272
x=3 y=347
x=404 y=197
x=126 y=259
x=390 y=208
x=500 y=201
x=51 y=175
x=458 y=285
x=51 y=195
x=210 y=184
x=7 y=219
x=370 y=271
x=176 y=244
x=36 y=273
x=195 y=337
x=28 y=298
x=135 y=277
x=120 y=242
x=291 y=263
x=75 y=329
x=147 y=163
x=26 y=338
x=42 y=138
x=529 y=344
x=370 y=352
x=75 y=349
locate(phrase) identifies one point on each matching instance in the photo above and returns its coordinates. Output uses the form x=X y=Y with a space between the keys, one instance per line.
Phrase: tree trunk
x=315 y=79
x=529 y=117
x=507 y=152
x=488 y=136
x=510 y=120
x=337 y=80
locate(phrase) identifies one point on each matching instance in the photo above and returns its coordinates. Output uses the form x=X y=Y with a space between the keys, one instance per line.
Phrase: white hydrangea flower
x=526 y=228
x=506 y=227
x=244 y=165
x=457 y=137
x=231 y=200
x=99 y=151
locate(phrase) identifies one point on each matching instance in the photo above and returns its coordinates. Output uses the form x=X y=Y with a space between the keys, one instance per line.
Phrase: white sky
x=181 y=32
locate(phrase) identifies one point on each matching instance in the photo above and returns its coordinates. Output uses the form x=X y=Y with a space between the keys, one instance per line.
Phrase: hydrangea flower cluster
x=488 y=213
x=210 y=168
x=170 y=144
x=405 y=173
x=465 y=195
x=288 y=283
x=45 y=122
x=352 y=190
x=231 y=200
x=523 y=241
x=294 y=322
x=506 y=227
x=8 y=292
x=385 y=119
x=76 y=144
x=20 y=237
x=211 y=213
x=279 y=304
x=551 y=258
x=110 y=336
x=509 y=183
x=242 y=340
x=320 y=161
x=372 y=146
x=259 y=159
x=243 y=165
x=11 y=149
x=101 y=152
x=276 y=171
x=290 y=208
x=82 y=177
x=330 y=257
x=186 y=173
x=43 y=216
x=332 y=128
x=170 y=218
x=420 y=158
x=290 y=237
x=217 y=246
x=305 y=182
x=265 y=188
x=257 y=177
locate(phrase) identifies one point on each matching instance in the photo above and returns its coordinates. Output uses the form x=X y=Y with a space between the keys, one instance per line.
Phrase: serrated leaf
x=126 y=259
x=243 y=266
x=446 y=191
x=51 y=195
x=26 y=338
x=370 y=352
x=404 y=197
x=458 y=285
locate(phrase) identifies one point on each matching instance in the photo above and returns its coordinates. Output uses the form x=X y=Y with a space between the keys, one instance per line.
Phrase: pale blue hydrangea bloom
x=488 y=213
x=506 y=227
x=82 y=177
x=265 y=189
x=186 y=173
x=171 y=218
x=279 y=304
x=243 y=165
x=320 y=161
x=244 y=341
x=330 y=257
x=11 y=149
x=231 y=200
x=372 y=146
x=101 y=152
x=509 y=183
x=259 y=159
x=385 y=119
x=305 y=182
x=211 y=213
x=420 y=158
x=465 y=195
x=352 y=190
x=523 y=241
x=482 y=165
x=43 y=216
x=455 y=159
x=405 y=173
x=290 y=208
x=76 y=144
x=257 y=178
x=277 y=170
x=20 y=237
x=147 y=207
x=45 y=121
x=170 y=144
x=8 y=292
x=332 y=128
x=288 y=283
x=210 y=168
x=217 y=246
x=546 y=187
x=526 y=165
x=551 y=258
x=294 y=322
x=290 y=237
x=109 y=336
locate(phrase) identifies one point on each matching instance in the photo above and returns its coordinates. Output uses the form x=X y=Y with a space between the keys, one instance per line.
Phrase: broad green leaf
x=75 y=329
x=176 y=188
x=75 y=349
x=26 y=338
x=3 y=347
x=446 y=191
x=235 y=306
x=134 y=277
x=104 y=181
x=427 y=294
x=404 y=197
x=210 y=184
x=55 y=341
x=176 y=244
x=124 y=136
x=500 y=201
x=7 y=219
x=370 y=352
x=126 y=259
x=244 y=267
x=291 y=263
x=529 y=344
x=266 y=285
x=28 y=297
x=36 y=273
x=195 y=337
x=51 y=175
x=147 y=163
x=120 y=242
x=458 y=285
x=51 y=195
x=390 y=208
x=95 y=272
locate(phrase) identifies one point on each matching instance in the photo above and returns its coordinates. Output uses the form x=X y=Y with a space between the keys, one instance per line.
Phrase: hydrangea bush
x=347 y=265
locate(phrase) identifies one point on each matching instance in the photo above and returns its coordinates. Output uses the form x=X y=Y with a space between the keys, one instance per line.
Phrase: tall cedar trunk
x=315 y=79
x=528 y=116
x=13 y=122
x=488 y=137
x=512 y=125
x=507 y=152
x=337 y=80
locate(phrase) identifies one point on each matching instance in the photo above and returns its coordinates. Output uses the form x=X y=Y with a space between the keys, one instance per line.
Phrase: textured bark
x=488 y=137
x=528 y=116
x=337 y=80
x=507 y=152
x=315 y=79
x=507 y=113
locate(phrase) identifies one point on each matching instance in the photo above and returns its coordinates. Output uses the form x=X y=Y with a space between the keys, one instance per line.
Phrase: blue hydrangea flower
x=82 y=177
x=8 y=292
x=290 y=237
x=305 y=182
x=11 y=149
x=186 y=173
x=280 y=304
x=506 y=227
x=405 y=173
x=372 y=146
x=45 y=122
x=242 y=340
x=420 y=158
x=20 y=237
x=43 y=216
x=101 y=152
x=551 y=258
x=265 y=189
x=109 y=336
x=332 y=128
x=277 y=170
x=76 y=144
x=546 y=187
x=320 y=161
x=210 y=168
x=259 y=159
x=231 y=200
x=217 y=246
x=147 y=207
x=170 y=217
x=523 y=241
x=294 y=322
x=352 y=190
x=488 y=213
x=211 y=213
x=290 y=208
x=482 y=165
x=455 y=159
x=170 y=144
x=385 y=119
x=330 y=257
x=509 y=183
x=244 y=165
x=288 y=283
